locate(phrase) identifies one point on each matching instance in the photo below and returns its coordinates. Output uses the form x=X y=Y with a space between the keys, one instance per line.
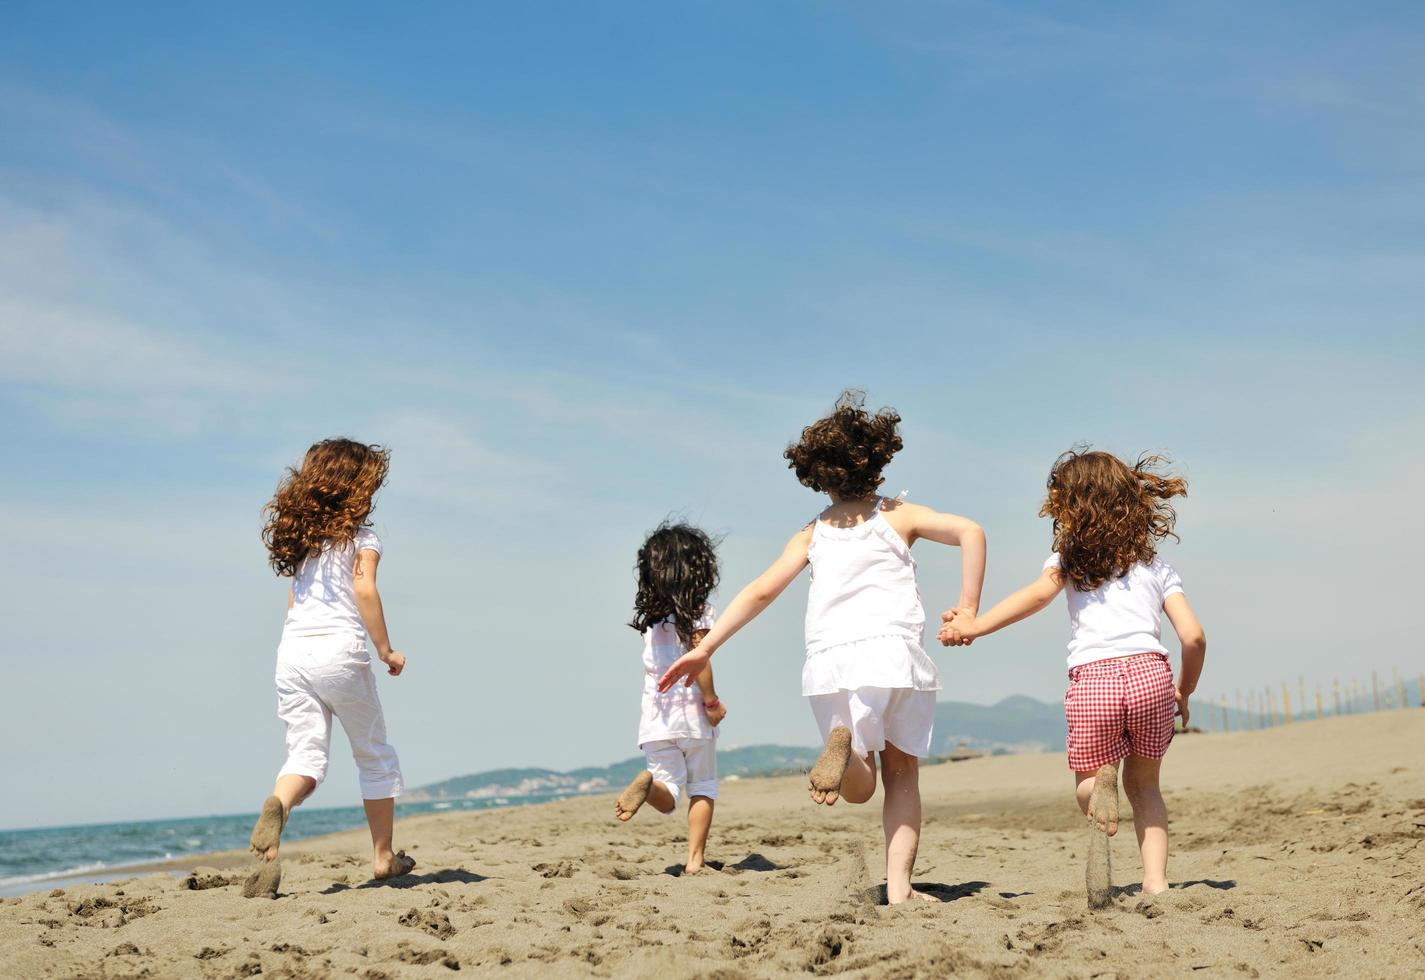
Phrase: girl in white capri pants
x=870 y=684
x=677 y=729
x=317 y=533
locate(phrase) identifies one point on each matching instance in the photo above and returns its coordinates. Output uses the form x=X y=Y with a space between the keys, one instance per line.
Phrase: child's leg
x=309 y=731
x=900 y=816
x=700 y=814
x=660 y=784
x=1150 y=820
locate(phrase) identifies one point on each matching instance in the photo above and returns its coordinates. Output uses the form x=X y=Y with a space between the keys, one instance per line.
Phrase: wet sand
x=1296 y=851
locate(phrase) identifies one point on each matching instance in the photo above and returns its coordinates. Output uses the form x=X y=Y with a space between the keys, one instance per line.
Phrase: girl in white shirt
x=870 y=685
x=677 y=729
x=317 y=534
x=1108 y=520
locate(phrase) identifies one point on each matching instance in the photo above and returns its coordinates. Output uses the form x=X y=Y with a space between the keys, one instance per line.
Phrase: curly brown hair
x=323 y=502
x=677 y=571
x=1108 y=516
x=843 y=454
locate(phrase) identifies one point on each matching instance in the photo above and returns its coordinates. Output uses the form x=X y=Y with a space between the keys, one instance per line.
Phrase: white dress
x=678 y=741
x=865 y=667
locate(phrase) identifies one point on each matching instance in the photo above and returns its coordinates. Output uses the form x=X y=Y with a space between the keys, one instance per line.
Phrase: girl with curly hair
x=870 y=684
x=318 y=534
x=1108 y=520
x=677 y=730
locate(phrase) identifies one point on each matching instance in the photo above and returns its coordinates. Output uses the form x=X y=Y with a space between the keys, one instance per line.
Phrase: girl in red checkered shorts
x=1108 y=519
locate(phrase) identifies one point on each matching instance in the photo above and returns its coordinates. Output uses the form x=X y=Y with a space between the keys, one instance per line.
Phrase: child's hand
x=716 y=713
x=1182 y=700
x=956 y=624
x=395 y=662
x=686 y=668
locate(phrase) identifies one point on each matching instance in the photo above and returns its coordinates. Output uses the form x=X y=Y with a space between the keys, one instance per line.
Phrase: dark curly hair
x=677 y=571
x=1108 y=516
x=324 y=501
x=843 y=454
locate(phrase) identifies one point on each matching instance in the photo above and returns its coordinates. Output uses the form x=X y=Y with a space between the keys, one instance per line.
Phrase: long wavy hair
x=323 y=502
x=1108 y=516
x=677 y=571
x=843 y=454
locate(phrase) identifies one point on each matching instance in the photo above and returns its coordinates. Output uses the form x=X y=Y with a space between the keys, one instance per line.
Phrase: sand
x=1296 y=852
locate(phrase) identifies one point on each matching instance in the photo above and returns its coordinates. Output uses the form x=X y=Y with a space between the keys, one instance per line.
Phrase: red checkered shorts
x=1117 y=708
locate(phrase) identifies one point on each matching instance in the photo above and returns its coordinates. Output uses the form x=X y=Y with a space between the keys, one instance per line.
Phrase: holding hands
x=957 y=627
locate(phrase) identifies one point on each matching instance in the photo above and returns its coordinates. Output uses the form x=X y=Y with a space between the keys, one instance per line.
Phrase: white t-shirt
x=1123 y=616
x=323 y=597
x=678 y=712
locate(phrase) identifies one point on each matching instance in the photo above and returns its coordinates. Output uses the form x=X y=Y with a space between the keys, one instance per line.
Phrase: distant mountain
x=1016 y=724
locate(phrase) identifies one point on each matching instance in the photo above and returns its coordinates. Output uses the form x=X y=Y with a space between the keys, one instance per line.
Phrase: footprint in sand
x=263 y=882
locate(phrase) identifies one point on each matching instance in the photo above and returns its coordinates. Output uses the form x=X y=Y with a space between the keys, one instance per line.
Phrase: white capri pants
x=325 y=675
x=877 y=715
x=684 y=764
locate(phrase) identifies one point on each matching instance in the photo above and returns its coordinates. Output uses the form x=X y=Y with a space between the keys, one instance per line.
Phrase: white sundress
x=865 y=666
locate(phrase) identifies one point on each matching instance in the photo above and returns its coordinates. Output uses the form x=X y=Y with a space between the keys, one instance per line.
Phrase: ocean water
x=48 y=856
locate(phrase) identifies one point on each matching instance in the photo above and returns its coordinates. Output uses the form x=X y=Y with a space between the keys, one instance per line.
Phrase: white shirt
x=678 y=712
x=864 y=618
x=323 y=594
x=1123 y=616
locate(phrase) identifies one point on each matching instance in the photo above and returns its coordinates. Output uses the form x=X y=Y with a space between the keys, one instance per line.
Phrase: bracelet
x=714 y=704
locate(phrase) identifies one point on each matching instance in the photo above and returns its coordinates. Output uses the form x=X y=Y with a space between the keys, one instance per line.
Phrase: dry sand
x=1296 y=851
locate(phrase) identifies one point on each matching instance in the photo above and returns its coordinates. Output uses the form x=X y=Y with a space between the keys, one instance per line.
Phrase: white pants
x=321 y=676
x=684 y=763
x=877 y=715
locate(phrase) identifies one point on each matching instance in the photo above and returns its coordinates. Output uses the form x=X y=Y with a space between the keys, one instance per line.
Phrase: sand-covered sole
x=267 y=832
x=824 y=780
x=634 y=796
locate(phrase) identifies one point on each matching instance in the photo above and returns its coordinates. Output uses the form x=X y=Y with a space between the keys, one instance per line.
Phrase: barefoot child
x=677 y=731
x=870 y=684
x=1108 y=519
x=317 y=534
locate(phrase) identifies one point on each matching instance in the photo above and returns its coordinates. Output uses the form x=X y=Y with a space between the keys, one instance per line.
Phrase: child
x=677 y=570
x=1108 y=520
x=870 y=684
x=317 y=532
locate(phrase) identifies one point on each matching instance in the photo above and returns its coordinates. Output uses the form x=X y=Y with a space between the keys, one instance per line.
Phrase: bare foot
x=264 y=881
x=401 y=863
x=911 y=896
x=824 y=781
x=693 y=866
x=267 y=832
x=1103 y=803
x=633 y=796
x=1154 y=889
x=1098 y=874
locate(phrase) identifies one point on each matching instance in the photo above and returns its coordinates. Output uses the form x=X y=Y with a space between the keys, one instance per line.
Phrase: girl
x=1108 y=520
x=677 y=570
x=870 y=684
x=317 y=533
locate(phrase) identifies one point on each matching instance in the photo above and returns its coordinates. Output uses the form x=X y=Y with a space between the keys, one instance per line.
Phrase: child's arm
x=1194 y=646
x=960 y=532
x=373 y=617
x=1026 y=602
x=712 y=704
x=748 y=604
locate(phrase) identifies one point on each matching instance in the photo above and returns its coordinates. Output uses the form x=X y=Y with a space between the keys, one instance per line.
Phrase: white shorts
x=330 y=674
x=877 y=715
x=684 y=763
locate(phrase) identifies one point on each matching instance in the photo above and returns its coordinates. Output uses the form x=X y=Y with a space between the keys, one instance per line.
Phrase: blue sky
x=583 y=267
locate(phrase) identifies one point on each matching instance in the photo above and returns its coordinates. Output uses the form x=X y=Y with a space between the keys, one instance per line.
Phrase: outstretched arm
x=969 y=537
x=1193 y=641
x=744 y=608
x=961 y=626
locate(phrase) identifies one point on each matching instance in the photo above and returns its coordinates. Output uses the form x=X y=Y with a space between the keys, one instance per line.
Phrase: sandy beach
x=1296 y=851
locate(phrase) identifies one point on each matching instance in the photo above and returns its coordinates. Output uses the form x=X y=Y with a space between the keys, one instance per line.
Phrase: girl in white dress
x=677 y=729
x=318 y=534
x=870 y=684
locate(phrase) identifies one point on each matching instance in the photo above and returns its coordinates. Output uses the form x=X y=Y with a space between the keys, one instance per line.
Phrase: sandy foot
x=824 y=781
x=634 y=796
x=1103 y=804
x=267 y=832
x=401 y=864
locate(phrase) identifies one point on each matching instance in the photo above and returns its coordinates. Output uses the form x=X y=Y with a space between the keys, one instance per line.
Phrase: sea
x=48 y=857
